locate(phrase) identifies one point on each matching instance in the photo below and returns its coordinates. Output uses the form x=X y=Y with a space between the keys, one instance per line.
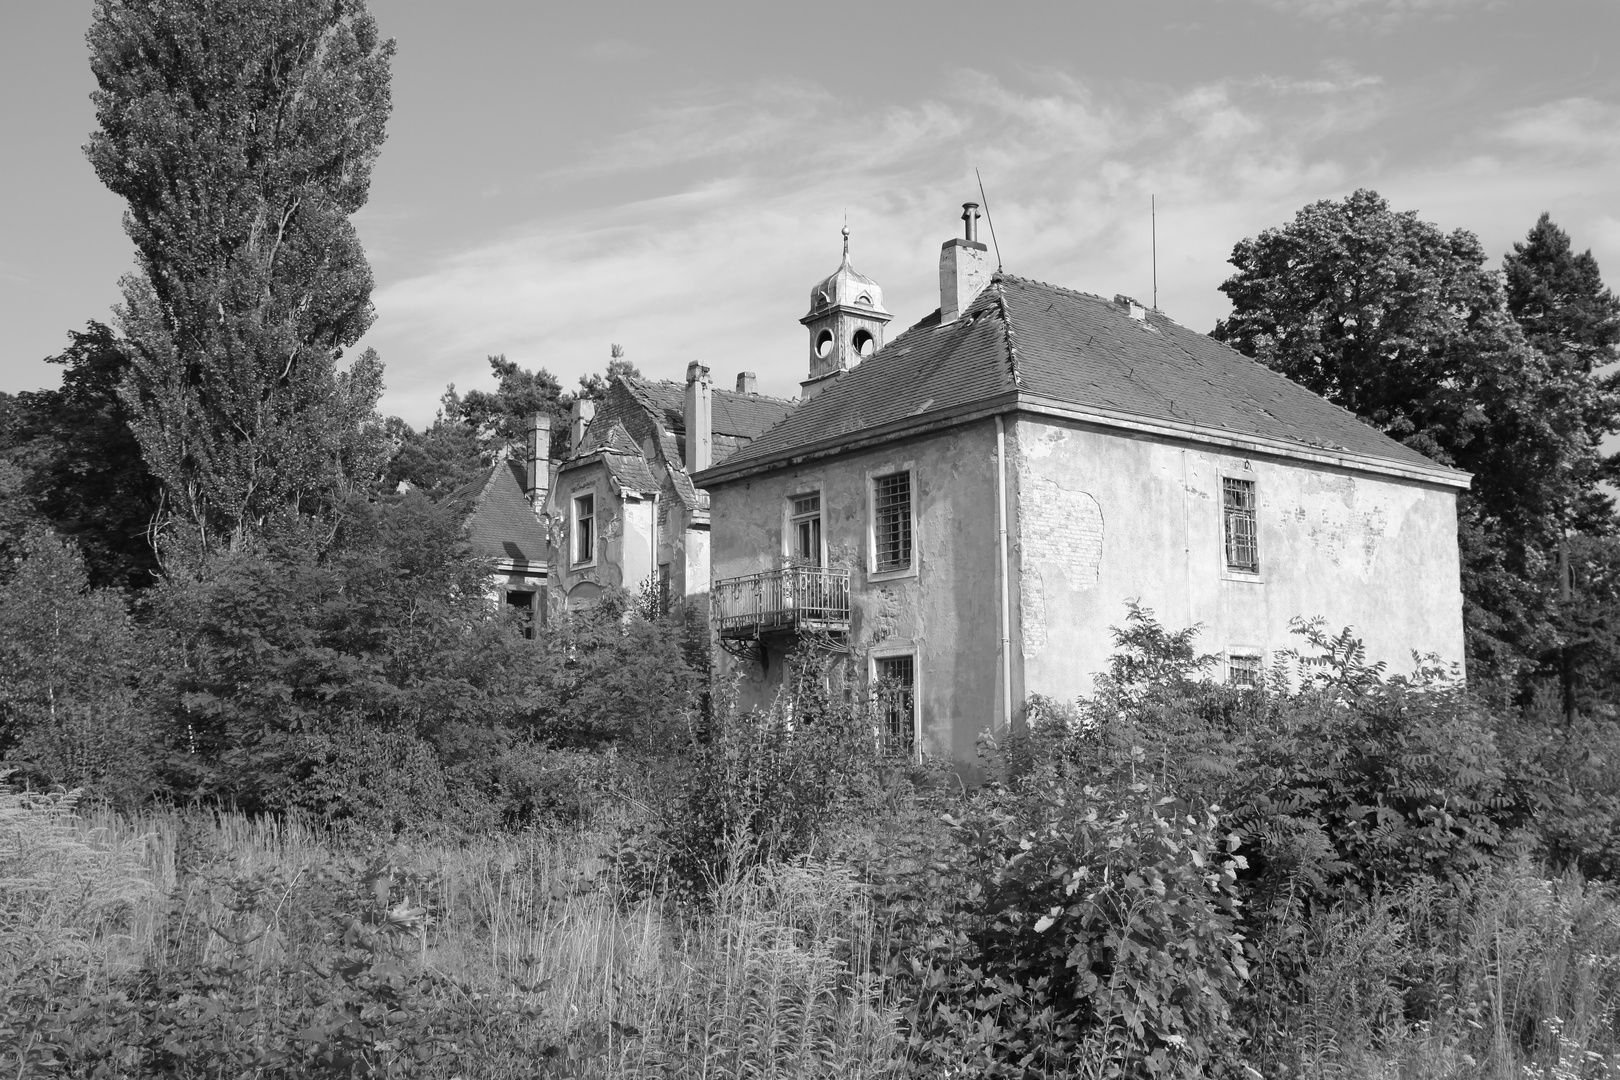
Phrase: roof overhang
x=1020 y=401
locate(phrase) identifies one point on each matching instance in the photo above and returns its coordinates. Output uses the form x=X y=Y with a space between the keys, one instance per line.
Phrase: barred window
x=1242 y=540
x=891 y=527
x=897 y=701
x=1243 y=671
x=807 y=529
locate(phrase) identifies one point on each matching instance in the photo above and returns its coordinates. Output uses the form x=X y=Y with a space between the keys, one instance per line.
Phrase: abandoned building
x=621 y=508
x=965 y=512
x=502 y=526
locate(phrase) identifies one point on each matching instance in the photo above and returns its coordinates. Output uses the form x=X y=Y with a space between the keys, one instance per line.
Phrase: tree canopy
x=242 y=138
x=1405 y=325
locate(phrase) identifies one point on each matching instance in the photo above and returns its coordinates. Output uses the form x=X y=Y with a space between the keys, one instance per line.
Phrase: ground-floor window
x=1243 y=670
x=895 y=686
x=521 y=603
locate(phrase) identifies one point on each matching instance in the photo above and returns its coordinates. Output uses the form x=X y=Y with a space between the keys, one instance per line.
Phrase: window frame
x=872 y=477
x=874 y=659
x=790 y=522
x=1228 y=571
x=1233 y=654
x=574 y=498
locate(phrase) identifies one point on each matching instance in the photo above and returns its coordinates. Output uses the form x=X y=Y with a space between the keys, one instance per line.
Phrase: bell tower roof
x=846 y=287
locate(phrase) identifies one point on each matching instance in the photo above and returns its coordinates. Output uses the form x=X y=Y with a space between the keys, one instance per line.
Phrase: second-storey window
x=891 y=524
x=584 y=528
x=806 y=529
x=1242 y=537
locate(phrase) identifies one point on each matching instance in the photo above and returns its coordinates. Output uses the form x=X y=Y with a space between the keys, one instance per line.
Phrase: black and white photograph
x=847 y=541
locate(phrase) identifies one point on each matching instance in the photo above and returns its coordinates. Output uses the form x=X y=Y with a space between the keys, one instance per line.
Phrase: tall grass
x=1517 y=975
x=770 y=980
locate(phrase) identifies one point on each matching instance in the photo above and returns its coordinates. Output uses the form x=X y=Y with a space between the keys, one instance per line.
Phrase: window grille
x=892 y=525
x=1243 y=671
x=897 y=701
x=1242 y=539
x=807 y=529
x=584 y=528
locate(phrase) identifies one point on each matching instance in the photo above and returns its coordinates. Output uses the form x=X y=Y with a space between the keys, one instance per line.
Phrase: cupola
x=846 y=322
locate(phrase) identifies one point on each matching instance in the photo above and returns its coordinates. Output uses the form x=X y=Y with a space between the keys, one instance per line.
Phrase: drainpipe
x=1004 y=572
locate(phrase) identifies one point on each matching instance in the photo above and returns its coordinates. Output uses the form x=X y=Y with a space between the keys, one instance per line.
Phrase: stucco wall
x=624 y=536
x=947 y=607
x=1103 y=517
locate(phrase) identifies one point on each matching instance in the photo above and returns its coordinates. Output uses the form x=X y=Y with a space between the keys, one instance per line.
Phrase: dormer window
x=864 y=300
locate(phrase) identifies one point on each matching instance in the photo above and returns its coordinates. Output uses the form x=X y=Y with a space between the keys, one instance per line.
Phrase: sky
x=672 y=178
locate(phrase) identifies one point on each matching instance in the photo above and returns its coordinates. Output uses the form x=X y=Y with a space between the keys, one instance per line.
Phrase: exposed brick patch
x=1060 y=532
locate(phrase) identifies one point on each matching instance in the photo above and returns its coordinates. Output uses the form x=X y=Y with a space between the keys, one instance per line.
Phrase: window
x=584 y=528
x=896 y=691
x=891 y=522
x=824 y=343
x=521 y=605
x=864 y=343
x=806 y=529
x=1242 y=540
x=1243 y=670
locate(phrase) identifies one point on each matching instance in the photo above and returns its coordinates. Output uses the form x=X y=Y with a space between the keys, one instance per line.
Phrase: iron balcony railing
x=791 y=598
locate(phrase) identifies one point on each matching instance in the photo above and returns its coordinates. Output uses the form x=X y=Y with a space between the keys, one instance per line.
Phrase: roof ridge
x=1008 y=331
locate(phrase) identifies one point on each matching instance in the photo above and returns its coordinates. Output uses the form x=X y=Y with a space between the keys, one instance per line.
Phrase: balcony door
x=806 y=530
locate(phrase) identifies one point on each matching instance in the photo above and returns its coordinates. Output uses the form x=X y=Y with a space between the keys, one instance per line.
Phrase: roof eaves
x=837 y=444
x=1344 y=459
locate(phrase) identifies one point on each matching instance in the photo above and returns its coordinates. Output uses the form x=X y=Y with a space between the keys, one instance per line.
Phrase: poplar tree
x=242 y=138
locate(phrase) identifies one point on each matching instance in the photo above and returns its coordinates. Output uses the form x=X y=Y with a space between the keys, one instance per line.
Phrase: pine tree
x=1559 y=300
x=242 y=138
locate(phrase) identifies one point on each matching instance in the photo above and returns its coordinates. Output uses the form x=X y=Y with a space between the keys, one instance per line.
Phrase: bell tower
x=846 y=323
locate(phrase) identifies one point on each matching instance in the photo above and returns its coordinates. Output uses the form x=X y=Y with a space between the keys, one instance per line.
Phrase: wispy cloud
x=718 y=265
x=1377 y=14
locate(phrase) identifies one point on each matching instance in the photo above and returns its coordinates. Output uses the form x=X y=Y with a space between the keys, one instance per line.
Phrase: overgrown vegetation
x=1339 y=875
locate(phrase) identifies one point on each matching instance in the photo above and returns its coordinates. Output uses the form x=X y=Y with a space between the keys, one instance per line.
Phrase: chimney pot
x=964 y=268
x=745 y=382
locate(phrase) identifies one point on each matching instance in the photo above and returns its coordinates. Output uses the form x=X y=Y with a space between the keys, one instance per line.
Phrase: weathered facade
x=969 y=510
x=504 y=528
x=622 y=510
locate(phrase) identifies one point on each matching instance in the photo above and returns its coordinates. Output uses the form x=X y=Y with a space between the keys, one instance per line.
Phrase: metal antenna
x=1153 y=213
x=988 y=219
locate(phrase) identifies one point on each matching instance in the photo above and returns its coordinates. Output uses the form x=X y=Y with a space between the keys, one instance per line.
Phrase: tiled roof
x=739 y=416
x=1079 y=350
x=608 y=437
x=632 y=472
x=503 y=525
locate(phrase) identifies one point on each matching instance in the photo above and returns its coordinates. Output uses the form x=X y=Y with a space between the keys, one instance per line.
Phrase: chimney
x=699 y=419
x=745 y=382
x=1135 y=310
x=964 y=268
x=579 y=419
x=539 y=454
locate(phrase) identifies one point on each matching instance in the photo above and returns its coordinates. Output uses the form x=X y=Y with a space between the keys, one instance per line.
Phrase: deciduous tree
x=1403 y=324
x=242 y=138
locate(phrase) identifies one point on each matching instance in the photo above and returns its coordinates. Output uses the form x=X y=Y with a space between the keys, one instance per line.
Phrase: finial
x=846 y=241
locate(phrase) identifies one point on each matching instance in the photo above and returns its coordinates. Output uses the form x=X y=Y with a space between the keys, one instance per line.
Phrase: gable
x=502 y=524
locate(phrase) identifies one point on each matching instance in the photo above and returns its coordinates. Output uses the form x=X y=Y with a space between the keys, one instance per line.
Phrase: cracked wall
x=1106 y=517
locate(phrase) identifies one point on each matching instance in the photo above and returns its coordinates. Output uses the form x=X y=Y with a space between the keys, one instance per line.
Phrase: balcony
x=788 y=600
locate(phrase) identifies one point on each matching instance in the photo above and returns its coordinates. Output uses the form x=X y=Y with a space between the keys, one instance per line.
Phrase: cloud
x=733 y=205
x=1376 y=14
